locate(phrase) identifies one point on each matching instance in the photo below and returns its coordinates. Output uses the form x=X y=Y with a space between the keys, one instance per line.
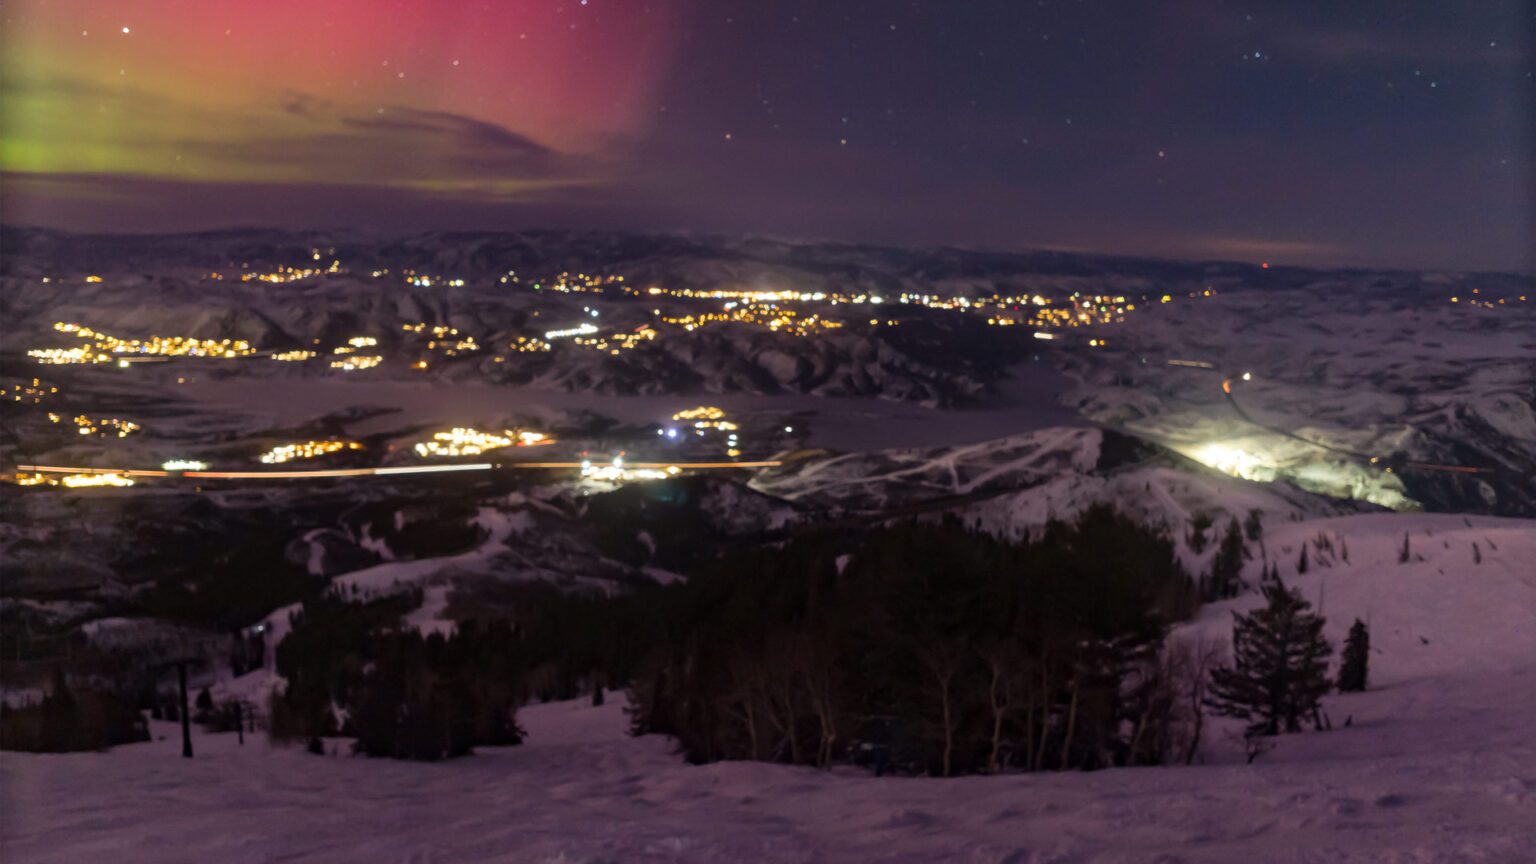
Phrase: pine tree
x=1197 y=528
x=1280 y=665
x=1301 y=563
x=1253 y=526
x=1357 y=649
x=1227 y=565
x=1403 y=555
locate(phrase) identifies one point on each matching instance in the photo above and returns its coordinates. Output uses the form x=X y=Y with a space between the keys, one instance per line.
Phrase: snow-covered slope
x=1012 y=486
x=1437 y=764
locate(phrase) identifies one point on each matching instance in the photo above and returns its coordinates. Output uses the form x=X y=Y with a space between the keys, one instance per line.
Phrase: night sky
x=1384 y=133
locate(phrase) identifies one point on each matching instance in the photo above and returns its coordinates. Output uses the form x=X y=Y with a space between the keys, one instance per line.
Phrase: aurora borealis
x=1358 y=132
x=409 y=94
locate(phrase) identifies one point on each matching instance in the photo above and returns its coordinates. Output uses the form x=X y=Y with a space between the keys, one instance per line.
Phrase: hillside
x=1436 y=764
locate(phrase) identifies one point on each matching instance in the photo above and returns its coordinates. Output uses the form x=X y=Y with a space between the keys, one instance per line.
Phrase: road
x=329 y=473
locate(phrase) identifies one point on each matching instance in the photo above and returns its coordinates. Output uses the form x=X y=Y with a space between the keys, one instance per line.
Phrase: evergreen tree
x=1301 y=563
x=1197 y=528
x=1253 y=526
x=1227 y=566
x=1357 y=649
x=1280 y=665
x=1402 y=556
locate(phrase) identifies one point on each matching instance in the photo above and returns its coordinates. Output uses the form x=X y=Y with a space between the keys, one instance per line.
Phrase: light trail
x=324 y=473
x=682 y=466
x=55 y=469
x=335 y=472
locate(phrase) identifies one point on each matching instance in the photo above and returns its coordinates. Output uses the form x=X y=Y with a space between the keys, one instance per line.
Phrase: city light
x=304 y=450
x=357 y=363
x=105 y=426
x=105 y=348
x=78 y=481
x=464 y=441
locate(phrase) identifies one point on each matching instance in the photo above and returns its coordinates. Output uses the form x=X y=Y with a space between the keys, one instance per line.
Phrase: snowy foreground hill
x=1436 y=762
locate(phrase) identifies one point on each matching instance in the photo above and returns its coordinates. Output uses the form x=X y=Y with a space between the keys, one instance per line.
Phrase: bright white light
x=1045 y=336
x=671 y=433
x=434 y=469
x=184 y=465
x=1235 y=461
x=789 y=428
x=1247 y=376
x=580 y=330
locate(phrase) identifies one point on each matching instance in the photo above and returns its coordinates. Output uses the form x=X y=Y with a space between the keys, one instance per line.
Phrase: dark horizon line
x=378 y=234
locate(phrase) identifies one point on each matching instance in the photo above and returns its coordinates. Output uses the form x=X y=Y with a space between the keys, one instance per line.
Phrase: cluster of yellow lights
x=439 y=331
x=706 y=419
x=578 y=283
x=104 y=426
x=703 y=412
x=464 y=441
x=748 y=296
x=294 y=356
x=357 y=363
x=455 y=347
x=769 y=316
x=1077 y=310
x=63 y=356
x=35 y=392
x=529 y=344
x=74 y=481
x=284 y=274
x=617 y=342
x=1483 y=302
x=104 y=347
x=615 y=472
x=305 y=450
x=424 y=280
